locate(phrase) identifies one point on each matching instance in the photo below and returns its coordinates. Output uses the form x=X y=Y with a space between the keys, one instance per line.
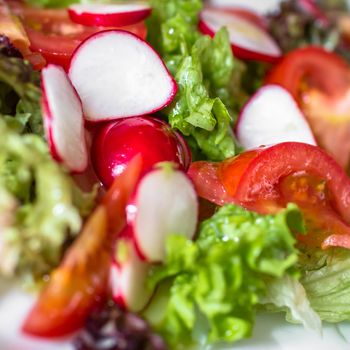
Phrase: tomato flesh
x=80 y=282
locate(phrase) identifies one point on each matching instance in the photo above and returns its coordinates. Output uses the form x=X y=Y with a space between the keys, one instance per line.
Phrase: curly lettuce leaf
x=288 y=294
x=218 y=279
x=20 y=96
x=204 y=70
x=326 y=279
x=172 y=28
x=39 y=206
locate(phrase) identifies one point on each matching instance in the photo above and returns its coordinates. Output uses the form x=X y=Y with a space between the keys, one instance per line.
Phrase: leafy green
x=219 y=279
x=39 y=206
x=288 y=294
x=326 y=279
x=204 y=69
x=293 y=26
x=20 y=96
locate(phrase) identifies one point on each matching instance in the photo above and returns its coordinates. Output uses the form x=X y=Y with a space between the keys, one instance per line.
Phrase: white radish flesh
x=117 y=74
x=109 y=15
x=128 y=279
x=165 y=203
x=63 y=118
x=272 y=116
x=248 y=40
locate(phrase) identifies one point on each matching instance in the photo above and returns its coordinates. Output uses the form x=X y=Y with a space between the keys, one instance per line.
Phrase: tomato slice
x=55 y=36
x=80 y=282
x=320 y=82
x=266 y=179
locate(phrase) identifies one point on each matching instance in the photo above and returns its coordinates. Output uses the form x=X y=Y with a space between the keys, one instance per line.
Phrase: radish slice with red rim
x=165 y=203
x=249 y=41
x=118 y=75
x=109 y=15
x=272 y=116
x=63 y=119
x=128 y=277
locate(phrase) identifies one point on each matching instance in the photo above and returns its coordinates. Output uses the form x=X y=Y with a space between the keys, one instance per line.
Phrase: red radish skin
x=118 y=75
x=128 y=278
x=63 y=119
x=165 y=203
x=272 y=116
x=108 y=15
x=248 y=40
x=119 y=141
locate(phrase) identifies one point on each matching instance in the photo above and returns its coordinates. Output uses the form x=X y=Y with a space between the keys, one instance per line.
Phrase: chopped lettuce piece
x=204 y=69
x=20 y=96
x=288 y=294
x=218 y=279
x=39 y=206
x=326 y=279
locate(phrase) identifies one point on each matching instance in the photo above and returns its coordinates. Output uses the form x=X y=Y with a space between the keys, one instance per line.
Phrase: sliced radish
x=109 y=15
x=272 y=116
x=63 y=118
x=248 y=40
x=117 y=74
x=165 y=203
x=128 y=278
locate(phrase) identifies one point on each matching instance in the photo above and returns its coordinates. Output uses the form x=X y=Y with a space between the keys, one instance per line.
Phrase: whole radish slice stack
x=109 y=15
x=63 y=119
x=272 y=116
x=117 y=75
x=248 y=40
x=119 y=141
x=165 y=203
x=128 y=277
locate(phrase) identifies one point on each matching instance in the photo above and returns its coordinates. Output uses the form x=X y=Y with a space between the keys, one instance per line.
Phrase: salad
x=170 y=170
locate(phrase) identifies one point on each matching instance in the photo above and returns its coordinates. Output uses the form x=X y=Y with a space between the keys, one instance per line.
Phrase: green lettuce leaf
x=204 y=69
x=218 y=279
x=326 y=279
x=40 y=207
x=20 y=96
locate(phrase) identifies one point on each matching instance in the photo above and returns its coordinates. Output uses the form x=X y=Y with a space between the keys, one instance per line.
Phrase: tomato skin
x=253 y=180
x=264 y=171
x=80 y=283
x=207 y=184
x=308 y=66
x=320 y=83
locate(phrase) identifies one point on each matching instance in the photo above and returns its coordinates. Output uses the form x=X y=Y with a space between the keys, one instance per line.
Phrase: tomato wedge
x=266 y=179
x=80 y=282
x=320 y=82
x=55 y=36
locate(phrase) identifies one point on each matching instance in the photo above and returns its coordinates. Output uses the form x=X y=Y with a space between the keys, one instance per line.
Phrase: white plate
x=271 y=332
